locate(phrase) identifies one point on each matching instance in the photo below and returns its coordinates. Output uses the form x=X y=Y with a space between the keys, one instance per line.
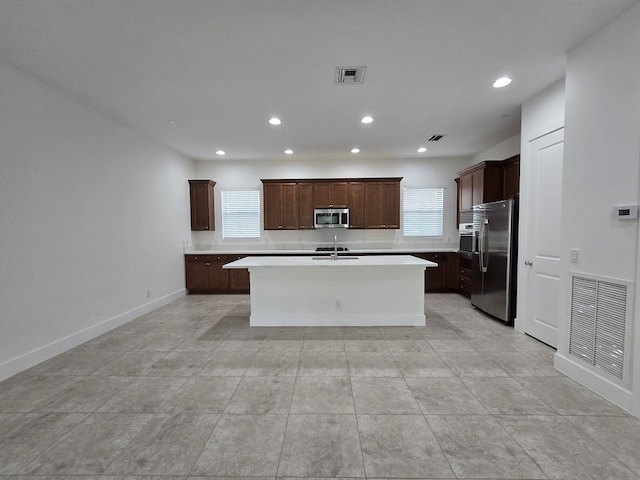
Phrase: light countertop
x=346 y=261
x=195 y=250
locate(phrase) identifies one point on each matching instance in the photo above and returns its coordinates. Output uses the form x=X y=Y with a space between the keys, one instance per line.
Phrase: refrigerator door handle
x=484 y=254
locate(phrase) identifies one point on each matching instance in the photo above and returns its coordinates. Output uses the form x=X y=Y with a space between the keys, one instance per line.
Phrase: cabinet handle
x=279 y=226
x=208 y=264
x=206 y=228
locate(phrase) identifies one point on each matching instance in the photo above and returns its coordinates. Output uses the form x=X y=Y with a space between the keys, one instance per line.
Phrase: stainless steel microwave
x=331 y=218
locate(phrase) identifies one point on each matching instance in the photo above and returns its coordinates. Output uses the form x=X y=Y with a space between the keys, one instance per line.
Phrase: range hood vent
x=436 y=137
x=350 y=75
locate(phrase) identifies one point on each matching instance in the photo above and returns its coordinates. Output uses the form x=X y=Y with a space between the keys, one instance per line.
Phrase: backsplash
x=310 y=239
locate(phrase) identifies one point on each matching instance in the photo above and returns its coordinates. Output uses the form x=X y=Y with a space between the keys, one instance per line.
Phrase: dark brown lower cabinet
x=239 y=280
x=464 y=273
x=437 y=278
x=204 y=274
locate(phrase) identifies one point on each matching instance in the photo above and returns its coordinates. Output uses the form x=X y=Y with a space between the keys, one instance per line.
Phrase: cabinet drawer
x=465 y=272
x=464 y=289
x=464 y=281
x=213 y=258
x=201 y=258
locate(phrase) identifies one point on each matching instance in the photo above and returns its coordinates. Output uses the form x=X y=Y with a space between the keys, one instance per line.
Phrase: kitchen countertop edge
x=383 y=251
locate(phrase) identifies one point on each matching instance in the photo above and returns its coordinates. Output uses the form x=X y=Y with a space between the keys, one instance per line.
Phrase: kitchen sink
x=330 y=259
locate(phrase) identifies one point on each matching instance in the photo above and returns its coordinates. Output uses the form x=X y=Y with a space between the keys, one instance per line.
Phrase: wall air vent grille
x=436 y=137
x=599 y=325
x=350 y=75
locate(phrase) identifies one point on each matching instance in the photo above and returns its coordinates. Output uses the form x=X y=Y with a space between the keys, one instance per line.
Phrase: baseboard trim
x=600 y=385
x=34 y=357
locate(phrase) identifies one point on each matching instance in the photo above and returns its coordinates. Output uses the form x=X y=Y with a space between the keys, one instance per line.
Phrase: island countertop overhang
x=344 y=261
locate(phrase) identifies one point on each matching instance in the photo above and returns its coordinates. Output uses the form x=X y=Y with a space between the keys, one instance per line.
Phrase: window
x=422 y=211
x=241 y=214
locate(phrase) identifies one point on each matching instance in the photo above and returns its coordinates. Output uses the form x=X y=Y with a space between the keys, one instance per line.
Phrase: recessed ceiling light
x=422 y=149
x=275 y=121
x=288 y=151
x=501 y=82
x=221 y=152
x=355 y=150
x=367 y=119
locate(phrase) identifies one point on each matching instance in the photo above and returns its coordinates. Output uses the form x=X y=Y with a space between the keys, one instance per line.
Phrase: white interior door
x=542 y=243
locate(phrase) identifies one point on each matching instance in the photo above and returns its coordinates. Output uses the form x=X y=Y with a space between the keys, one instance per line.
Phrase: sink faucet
x=334 y=255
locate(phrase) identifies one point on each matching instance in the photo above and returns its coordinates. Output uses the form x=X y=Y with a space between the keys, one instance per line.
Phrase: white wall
x=602 y=168
x=503 y=150
x=247 y=174
x=93 y=215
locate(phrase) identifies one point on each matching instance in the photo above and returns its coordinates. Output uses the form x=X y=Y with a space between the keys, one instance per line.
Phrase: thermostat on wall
x=626 y=212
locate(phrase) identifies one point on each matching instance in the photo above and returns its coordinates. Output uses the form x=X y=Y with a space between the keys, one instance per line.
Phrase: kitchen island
x=384 y=290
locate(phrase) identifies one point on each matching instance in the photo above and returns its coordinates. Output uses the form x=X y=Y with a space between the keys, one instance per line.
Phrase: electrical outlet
x=338 y=305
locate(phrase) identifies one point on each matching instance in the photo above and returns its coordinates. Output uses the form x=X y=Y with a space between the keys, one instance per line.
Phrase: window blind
x=241 y=214
x=422 y=211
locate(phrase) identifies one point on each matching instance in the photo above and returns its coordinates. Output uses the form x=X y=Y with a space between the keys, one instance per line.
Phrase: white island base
x=363 y=291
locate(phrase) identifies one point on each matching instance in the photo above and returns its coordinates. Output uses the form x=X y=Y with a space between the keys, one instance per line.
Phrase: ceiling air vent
x=350 y=75
x=436 y=137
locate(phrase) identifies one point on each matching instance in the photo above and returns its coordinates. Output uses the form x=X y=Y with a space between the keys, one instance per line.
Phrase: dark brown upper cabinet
x=280 y=205
x=330 y=194
x=201 y=194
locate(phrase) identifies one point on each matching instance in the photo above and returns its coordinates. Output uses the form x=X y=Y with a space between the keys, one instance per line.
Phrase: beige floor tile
x=323 y=364
x=321 y=446
x=504 y=395
x=90 y=446
x=322 y=395
x=383 y=395
x=477 y=446
x=562 y=450
x=400 y=446
x=243 y=445
x=202 y=395
x=444 y=395
x=372 y=364
x=167 y=445
x=260 y=395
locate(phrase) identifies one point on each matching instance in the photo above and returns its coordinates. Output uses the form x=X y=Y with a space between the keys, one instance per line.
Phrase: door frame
x=526 y=223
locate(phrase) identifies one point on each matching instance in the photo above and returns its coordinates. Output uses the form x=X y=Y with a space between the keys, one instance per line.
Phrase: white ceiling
x=221 y=68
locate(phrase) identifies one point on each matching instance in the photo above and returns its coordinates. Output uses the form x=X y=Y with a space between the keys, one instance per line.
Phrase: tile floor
x=190 y=391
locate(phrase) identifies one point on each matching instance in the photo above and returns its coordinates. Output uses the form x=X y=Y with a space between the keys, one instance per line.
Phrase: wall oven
x=468 y=236
x=331 y=217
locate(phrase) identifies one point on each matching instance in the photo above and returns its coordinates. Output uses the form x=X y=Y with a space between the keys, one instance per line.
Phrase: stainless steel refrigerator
x=495 y=260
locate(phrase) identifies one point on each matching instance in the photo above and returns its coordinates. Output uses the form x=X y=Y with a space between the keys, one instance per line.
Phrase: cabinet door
x=512 y=179
x=466 y=188
x=289 y=206
x=477 y=181
x=355 y=203
x=322 y=195
x=339 y=194
x=238 y=278
x=305 y=206
x=201 y=196
x=218 y=277
x=373 y=205
x=271 y=205
x=391 y=205
x=197 y=275
x=436 y=278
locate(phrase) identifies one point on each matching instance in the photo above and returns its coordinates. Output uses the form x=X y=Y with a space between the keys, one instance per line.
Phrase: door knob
x=528 y=263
